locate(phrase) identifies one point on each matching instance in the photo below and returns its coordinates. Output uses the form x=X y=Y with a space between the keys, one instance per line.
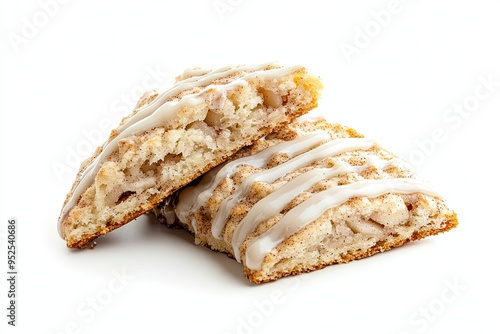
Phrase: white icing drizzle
x=188 y=196
x=272 y=204
x=193 y=198
x=192 y=72
x=302 y=154
x=160 y=111
x=316 y=205
x=328 y=149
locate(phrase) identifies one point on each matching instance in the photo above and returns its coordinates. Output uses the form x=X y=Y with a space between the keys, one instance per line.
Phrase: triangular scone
x=310 y=195
x=173 y=137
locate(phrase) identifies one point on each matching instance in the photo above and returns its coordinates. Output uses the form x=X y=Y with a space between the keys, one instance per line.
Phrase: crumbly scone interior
x=148 y=166
x=358 y=227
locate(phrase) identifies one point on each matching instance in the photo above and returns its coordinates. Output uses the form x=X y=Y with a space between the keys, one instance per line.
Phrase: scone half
x=308 y=196
x=173 y=137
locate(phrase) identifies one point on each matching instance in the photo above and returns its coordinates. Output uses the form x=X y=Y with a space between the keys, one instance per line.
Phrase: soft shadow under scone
x=310 y=195
x=173 y=137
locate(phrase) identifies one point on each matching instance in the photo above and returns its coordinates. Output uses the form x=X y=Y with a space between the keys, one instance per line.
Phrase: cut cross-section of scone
x=307 y=196
x=173 y=137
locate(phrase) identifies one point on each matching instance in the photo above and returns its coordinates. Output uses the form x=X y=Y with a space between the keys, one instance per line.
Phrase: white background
x=61 y=80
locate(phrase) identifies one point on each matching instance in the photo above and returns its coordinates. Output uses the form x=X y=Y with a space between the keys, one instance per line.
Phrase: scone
x=310 y=195
x=173 y=137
